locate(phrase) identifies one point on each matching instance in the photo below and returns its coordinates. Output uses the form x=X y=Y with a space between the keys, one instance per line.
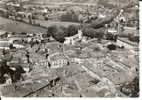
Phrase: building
x=58 y=60
x=111 y=34
x=73 y=39
x=8 y=79
x=4 y=44
x=112 y=31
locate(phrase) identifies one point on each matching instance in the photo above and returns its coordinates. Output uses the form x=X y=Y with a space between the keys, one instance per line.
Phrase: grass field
x=15 y=26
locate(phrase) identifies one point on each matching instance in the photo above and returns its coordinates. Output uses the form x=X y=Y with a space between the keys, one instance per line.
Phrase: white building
x=73 y=39
x=112 y=31
x=4 y=44
x=58 y=61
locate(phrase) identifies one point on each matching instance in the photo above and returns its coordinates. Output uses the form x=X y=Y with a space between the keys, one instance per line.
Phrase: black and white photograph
x=69 y=48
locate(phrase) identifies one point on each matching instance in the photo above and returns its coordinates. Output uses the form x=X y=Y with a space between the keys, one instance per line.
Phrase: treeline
x=94 y=33
x=60 y=32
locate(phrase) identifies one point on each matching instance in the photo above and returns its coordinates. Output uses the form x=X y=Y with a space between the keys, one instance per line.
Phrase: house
x=112 y=30
x=58 y=60
x=4 y=44
x=73 y=39
x=59 y=63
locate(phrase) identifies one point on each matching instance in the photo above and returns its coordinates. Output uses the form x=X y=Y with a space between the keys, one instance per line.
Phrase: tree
x=16 y=75
x=57 y=32
x=112 y=47
x=133 y=37
x=109 y=36
x=59 y=35
x=72 y=30
x=11 y=46
x=97 y=49
x=52 y=29
x=65 y=30
x=131 y=89
x=89 y=32
x=94 y=33
x=3 y=69
x=99 y=35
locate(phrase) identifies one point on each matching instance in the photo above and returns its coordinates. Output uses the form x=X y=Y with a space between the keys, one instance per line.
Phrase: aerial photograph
x=69 y=48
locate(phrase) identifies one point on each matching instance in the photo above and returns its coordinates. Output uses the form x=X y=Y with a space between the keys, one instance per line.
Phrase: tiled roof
x=57 y=57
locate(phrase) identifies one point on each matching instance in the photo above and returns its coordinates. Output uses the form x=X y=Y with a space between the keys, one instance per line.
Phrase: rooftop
x=57 y=57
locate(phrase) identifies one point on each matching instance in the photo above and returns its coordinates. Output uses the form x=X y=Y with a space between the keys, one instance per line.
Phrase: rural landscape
x=69 y=48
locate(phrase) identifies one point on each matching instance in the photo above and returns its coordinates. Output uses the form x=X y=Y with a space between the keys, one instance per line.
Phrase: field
x=14 y=26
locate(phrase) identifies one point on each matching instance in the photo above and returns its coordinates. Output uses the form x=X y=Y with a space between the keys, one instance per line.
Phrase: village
x=69 y=49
